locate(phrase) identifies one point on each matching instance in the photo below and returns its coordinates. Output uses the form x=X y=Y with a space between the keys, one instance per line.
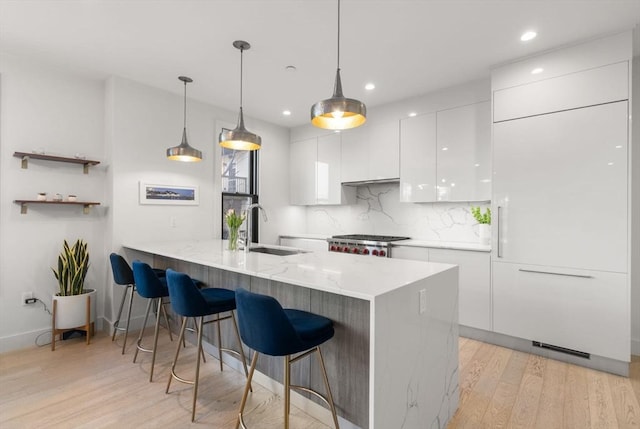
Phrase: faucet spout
x=249 y=210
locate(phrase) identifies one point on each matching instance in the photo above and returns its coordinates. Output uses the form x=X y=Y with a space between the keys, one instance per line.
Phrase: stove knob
x=355 y=250
x=382 y=253
x=375 y=252
x=365 y=252
x=332 y=248
x=345 y=249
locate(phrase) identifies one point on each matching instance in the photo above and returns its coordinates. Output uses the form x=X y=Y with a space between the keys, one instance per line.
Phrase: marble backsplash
x=378 y=210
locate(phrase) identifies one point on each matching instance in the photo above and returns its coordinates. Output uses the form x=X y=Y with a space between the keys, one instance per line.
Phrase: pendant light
x=338 y=112
x=240 y=138
x=184 y=152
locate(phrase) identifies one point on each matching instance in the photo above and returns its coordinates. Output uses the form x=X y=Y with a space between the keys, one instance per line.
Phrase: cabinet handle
x=556 y=274
x=498 y=237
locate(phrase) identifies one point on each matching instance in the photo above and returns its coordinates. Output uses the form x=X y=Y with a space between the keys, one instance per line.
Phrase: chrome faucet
x=247 y=244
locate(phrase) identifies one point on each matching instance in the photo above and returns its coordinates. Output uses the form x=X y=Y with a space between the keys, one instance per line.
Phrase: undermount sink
x=274 y=251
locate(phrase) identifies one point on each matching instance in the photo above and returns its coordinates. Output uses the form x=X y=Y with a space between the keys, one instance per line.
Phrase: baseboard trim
x=28 y=339
x=595 y=362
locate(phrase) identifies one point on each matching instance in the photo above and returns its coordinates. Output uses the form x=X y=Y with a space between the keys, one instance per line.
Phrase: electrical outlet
x=423 y=300
x=26 y=297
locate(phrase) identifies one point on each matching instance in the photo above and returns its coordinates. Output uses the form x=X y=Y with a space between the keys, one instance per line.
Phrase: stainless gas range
x=363 y=244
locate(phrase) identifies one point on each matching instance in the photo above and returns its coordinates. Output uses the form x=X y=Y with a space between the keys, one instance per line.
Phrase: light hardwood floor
x=95 y=386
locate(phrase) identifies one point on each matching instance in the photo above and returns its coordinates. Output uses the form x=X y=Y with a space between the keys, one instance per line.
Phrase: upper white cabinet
x=371 y=152
x=464 y=153
x=446 y=156
x=315 y=171
x=590 y=87
x=418 y=158
x=302 y=180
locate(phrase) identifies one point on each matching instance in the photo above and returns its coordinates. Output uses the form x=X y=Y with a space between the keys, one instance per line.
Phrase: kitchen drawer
x=581 y=310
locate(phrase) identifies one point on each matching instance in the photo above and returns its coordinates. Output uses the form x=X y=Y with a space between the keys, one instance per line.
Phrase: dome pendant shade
x=184 y=152
x=338 y=112
x=240 y=138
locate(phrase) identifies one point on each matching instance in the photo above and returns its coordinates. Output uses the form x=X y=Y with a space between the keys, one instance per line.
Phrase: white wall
x=44 y=108
x=127 y=126
x=377 y=209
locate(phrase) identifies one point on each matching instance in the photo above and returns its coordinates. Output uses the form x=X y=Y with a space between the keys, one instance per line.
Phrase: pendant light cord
x=185 y=105
x=338 y=35
x=241 y=57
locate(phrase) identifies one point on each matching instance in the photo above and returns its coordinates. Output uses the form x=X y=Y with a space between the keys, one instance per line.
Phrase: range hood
x=372 y=182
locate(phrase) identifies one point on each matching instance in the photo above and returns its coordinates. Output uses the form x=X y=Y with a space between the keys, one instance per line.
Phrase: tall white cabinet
x=560 y=201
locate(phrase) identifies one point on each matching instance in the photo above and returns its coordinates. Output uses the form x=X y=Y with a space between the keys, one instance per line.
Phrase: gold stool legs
x=288 y=360
x=199 y=327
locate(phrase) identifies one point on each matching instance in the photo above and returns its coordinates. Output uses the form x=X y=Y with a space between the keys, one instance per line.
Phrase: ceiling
x=406 y=48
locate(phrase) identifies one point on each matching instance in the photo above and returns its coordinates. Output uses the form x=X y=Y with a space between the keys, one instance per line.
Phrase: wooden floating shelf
x=26 y=156
x=86 y=204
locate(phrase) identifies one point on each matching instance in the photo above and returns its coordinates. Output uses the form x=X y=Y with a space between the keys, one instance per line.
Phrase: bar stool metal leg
x=172 y=373
x=287 y=390
x=326 y=385
x=219 y=339
x=115 y=324
x=254 y=361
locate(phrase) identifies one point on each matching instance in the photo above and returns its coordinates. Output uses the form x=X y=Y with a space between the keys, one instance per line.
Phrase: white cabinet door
x=410 y=252
x=588 y=313
x=328 y=185
x=418 y=158
x=355 y=157
x=474 y=293
x=383 y=141
x=586 y=88
x=560 y=189
x=371 y=152
x=302 y=167
x=464 y=153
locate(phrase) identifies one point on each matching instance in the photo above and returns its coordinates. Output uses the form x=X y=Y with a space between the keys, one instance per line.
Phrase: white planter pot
x=484 y=231
x=71 y=311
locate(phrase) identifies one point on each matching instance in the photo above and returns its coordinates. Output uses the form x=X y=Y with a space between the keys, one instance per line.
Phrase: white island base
x=393 y=362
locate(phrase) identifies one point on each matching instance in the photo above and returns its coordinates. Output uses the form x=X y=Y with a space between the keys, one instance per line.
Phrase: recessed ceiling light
x=445 y=148
x=412 y=114
x=609 y=163
x=529 y=35
x=286 y=112
x=369 y=86
x=619 y=146
x=537 y=70
x=336 y=131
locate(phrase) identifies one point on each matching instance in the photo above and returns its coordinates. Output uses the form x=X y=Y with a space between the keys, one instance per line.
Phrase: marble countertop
x=306 y=236
x=349 y=275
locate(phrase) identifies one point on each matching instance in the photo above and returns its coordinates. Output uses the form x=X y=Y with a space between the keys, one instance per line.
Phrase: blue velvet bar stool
x=269 y=329
x=154 y=288
x=190 y=302
x=123 y=276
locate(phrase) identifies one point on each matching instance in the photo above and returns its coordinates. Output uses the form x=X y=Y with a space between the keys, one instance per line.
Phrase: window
x=240 y=187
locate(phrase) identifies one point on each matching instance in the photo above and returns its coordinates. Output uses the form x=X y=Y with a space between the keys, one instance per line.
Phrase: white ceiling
x=406 y=48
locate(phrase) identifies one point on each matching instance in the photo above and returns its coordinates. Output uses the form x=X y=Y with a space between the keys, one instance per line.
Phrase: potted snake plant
x=74 y=306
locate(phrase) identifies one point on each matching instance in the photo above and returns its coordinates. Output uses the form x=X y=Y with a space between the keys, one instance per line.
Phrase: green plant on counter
x=234 y=221
x=480 y=217
x=73 y=263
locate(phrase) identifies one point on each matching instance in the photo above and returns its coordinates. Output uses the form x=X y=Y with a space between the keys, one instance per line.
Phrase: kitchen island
x=393 y=362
